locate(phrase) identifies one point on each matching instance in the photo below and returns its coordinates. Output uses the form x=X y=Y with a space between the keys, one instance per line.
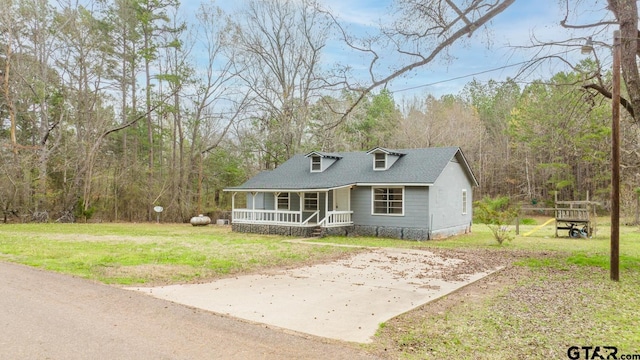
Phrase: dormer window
x=380 y=161
x=316 y=164
x=383 y=159
x=320 y=161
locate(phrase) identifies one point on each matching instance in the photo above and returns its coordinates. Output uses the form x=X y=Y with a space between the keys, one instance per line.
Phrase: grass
x=537 y=318
x=556 y=294
x=150 y=253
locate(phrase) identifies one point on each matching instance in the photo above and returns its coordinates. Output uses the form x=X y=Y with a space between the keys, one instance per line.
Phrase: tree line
x=112 y=107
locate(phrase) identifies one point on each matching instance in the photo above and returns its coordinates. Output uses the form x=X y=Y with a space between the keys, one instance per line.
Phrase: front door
x=341 y=199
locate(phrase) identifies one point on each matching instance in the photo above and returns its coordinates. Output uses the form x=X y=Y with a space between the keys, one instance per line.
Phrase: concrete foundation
x=354 y=230
x=273 y=230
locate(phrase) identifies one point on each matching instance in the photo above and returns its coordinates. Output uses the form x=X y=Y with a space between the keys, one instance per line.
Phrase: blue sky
x=487 y=49
x=488 y=55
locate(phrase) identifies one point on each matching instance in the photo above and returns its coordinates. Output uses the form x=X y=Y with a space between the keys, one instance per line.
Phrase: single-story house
x=414 y=194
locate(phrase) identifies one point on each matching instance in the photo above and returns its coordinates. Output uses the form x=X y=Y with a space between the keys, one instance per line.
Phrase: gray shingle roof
x=324 y=154
x=416 y=166
x=386 y=151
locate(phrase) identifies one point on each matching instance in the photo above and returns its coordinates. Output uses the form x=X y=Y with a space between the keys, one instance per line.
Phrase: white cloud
x=359 y=13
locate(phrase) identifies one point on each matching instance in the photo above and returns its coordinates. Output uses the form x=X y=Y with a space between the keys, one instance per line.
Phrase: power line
x=470 y=75
x=463 y=76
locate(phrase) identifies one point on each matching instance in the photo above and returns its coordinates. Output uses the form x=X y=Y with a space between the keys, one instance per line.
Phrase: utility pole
x=615 y=160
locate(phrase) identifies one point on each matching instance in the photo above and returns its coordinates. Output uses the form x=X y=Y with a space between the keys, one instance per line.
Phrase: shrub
x=81 y=212
x=497 y=214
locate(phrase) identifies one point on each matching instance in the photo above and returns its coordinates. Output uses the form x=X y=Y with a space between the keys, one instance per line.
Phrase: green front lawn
x=555 y=294
x=150 y=253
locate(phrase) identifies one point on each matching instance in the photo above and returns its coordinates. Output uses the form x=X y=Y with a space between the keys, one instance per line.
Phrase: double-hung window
x=310 y=201
x=316 y=164
x=380 y=161
x=464 y=201
x=388 y=201
x=283 y=201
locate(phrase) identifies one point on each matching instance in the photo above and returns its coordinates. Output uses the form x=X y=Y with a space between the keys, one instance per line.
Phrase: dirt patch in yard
x=518 y=312
x=478 y=260
x=147 y=273
x=400 y=335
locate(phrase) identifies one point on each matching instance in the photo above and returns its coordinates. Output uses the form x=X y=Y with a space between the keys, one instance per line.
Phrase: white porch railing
x=306 y=222
x=337 y=218
x=266 y=216
x=280 y=217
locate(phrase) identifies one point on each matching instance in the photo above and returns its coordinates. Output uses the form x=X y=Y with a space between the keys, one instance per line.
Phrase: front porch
x=291 y=218
x=330 y=208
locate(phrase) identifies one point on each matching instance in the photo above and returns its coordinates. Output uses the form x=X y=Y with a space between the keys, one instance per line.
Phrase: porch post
x=326 y=206
x=253 y=206
x=276 y=195
x=300 y=196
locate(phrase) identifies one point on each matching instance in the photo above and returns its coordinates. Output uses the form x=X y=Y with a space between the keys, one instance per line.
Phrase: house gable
x=319 y=161
x=459 y=157
x=383 y=159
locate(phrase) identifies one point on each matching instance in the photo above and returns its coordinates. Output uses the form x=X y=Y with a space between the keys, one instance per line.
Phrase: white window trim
x=320 y=164
x=386 y=162
x=304 y=202
x=465 y=201
x=373 y=196
x=288 y=201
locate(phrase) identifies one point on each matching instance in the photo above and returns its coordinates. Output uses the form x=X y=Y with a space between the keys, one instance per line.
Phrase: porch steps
x=317 y=232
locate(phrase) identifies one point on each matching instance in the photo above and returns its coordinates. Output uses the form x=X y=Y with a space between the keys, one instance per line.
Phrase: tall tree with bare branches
x=418 y=33
x=280 y=44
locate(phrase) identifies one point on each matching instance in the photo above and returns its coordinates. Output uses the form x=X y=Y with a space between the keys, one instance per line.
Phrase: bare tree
x=280 y=44
x=213 y=105
x=626 y=13
x=596 y=32
x=441 y=122
x=81 y=65
x=7 y=28
x=420 y=32
x=32 y=95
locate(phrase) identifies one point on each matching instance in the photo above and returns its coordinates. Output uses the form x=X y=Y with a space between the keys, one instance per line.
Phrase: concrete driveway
x=44 y=315
x=346 y=299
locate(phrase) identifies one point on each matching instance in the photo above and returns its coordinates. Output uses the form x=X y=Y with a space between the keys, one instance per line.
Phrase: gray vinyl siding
x=255 y=201
x=416 y=209
x=294 y=201
x=330 y=206
x=269 y=201
x=361 y=205
x=325 y=163
x=446 y=198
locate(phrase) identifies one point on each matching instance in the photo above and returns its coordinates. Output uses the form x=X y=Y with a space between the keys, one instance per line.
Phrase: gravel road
x=45 y=315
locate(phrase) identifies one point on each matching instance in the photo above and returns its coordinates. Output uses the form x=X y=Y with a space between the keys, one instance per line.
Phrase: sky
x=487 y=55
